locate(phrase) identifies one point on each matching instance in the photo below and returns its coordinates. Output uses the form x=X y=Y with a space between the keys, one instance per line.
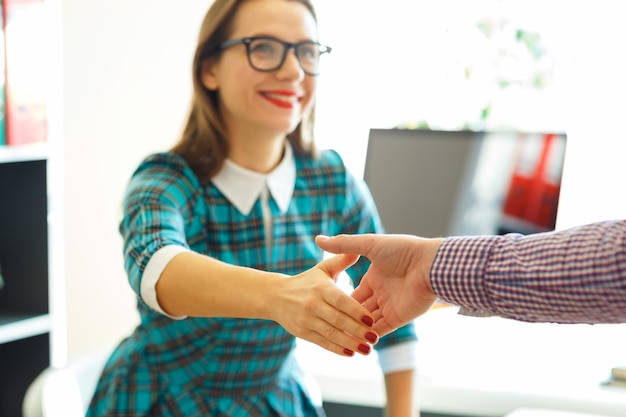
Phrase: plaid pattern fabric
x=222 y=366
x=571 y=276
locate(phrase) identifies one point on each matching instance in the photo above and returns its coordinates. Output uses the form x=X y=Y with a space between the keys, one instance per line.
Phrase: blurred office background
x=556 y=65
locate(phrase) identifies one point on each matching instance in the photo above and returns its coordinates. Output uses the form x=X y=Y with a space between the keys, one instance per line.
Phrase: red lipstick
x=282 y=98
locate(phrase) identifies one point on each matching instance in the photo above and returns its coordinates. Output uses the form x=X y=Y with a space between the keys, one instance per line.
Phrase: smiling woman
x=380 y=73
x=219 y=231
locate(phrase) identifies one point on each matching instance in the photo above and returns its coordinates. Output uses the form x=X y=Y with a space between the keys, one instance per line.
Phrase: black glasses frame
x=323 y=49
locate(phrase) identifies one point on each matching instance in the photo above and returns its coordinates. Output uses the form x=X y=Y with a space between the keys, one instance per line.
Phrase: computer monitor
x=449 y=183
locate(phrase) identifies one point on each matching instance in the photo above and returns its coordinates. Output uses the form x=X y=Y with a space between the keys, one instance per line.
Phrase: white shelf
x=22 y=153
x=17 y=327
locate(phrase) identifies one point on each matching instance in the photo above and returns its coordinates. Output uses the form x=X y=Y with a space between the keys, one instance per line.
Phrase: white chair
x=65 y=392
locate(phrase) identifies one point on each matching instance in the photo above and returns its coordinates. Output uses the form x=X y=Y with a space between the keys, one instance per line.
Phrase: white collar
x=243 y=187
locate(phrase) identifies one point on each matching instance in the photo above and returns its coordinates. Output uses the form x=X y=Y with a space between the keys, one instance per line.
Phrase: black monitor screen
x=449 y=183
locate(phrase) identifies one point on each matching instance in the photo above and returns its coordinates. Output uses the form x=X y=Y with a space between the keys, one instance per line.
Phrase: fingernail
x=348 y=352
x=364 y=349
x=371 y=337
x=367 y=320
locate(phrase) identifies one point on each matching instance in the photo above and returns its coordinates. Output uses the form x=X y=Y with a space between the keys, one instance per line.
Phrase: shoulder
x=164 y=173
x=330 y=158
x=326 y=167
x=162 y=163
x=325 y=159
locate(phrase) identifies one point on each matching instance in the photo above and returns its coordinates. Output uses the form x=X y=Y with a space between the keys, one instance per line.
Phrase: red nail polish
x=371 y=337
x=367 y=320
x=348 y=352
x=364 y=349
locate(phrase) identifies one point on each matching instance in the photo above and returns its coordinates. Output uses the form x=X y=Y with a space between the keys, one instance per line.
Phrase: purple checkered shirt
x=576 y=275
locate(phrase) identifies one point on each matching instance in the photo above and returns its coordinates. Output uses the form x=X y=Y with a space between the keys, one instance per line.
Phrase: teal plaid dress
x=223 y=366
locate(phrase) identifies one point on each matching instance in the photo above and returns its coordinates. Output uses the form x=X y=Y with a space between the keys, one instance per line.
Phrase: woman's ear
x=208 y=77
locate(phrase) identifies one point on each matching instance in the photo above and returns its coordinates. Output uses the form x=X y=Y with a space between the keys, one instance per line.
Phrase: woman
x=218 y=231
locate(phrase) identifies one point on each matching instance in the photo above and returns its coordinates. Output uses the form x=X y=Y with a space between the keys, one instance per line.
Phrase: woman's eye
x=263 y=47
x=308 y=51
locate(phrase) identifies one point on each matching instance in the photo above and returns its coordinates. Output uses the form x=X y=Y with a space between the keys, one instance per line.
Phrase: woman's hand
x=312 y=307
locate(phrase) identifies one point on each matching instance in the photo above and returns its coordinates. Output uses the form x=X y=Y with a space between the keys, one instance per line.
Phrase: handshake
x=514 y=276
x=396 y=289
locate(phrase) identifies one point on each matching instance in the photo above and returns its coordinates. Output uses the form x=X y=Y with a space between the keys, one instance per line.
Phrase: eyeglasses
x=266 y=53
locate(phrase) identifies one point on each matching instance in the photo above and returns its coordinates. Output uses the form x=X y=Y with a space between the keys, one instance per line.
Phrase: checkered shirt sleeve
x=576 y=275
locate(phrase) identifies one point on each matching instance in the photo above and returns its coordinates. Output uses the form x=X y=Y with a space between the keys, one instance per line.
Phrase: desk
x=488 y=367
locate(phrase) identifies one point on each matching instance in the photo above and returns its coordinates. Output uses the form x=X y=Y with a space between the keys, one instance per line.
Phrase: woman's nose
x=291 y=68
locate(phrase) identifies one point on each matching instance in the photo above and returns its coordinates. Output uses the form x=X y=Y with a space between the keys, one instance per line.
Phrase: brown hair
x=203 y=143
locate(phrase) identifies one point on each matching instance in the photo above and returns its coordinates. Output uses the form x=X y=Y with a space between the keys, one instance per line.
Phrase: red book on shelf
x=25 y=64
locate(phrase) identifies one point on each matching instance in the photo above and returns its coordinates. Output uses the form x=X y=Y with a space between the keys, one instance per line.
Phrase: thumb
x=343 y=243
x=337 y=264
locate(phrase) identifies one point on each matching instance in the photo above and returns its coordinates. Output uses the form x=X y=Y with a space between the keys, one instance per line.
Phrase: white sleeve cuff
x=152 y=273
x=396 y=358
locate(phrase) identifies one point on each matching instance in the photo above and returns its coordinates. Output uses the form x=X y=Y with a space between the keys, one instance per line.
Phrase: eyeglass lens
x=269 y=54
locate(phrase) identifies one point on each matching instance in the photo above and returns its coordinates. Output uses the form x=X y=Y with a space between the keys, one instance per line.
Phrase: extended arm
x=308 y=305
x=571 y=276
